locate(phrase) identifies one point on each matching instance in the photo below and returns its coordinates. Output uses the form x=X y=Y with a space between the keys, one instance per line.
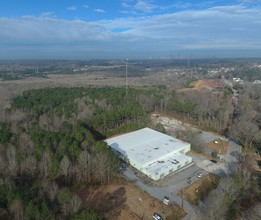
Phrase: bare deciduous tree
x=29 y=165
x=246 y=131
x=253 y=213
x=11 y=160
x=217 y=203
x=102 y=165
x=245 y=128
x=50 y=188
x=17 y=209
x=25 y=143
x=65 y=165
x=214 y=207
x=75 y=203
x=85 y=166
x=228 y=186
x=45 y=163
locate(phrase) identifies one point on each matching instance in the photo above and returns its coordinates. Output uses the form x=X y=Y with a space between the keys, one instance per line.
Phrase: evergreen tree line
x=55 y=145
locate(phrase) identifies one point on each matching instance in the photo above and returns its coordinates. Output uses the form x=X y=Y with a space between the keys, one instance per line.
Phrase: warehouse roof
x=145 y=145
x=169 y=162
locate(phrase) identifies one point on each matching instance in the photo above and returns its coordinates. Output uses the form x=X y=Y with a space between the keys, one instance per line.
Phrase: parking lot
x=171 y=185
x=184 y=177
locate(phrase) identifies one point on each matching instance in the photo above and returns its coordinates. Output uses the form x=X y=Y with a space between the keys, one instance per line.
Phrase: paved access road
x=169 y=186
x=202 y=165
x=230 y=159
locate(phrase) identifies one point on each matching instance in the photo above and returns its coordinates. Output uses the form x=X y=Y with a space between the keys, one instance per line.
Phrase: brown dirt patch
x=219 y=146
x=210 y=84
x=126 y=201
x=200 y=189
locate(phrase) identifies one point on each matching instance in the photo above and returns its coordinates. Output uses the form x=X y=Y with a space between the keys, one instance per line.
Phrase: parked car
x=157 y=216
x=213 y=161
x=166 y=200
x=199 y=175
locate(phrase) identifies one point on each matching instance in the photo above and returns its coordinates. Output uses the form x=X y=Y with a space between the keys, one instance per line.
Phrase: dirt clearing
x=126 y=201
x=219 y=146
x=210 y=84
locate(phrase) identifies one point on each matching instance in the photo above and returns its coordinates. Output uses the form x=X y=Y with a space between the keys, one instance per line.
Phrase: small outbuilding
x=153 y=153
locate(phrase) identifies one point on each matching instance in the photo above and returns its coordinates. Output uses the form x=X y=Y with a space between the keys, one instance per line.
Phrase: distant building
x=257 y=82
x=237 y=80
x=153 y=153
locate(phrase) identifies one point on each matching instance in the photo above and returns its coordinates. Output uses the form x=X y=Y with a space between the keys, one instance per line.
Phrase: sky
x=93 y=29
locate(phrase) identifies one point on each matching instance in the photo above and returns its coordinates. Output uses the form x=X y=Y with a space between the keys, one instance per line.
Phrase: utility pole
x=181 y=198
x=126 y=77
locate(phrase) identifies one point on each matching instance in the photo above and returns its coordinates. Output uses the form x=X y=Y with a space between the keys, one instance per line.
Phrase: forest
x=51 y=142
x=55 y=145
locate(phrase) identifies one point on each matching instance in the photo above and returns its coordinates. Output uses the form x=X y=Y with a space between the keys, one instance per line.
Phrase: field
x=10 y=89
x=127 y=202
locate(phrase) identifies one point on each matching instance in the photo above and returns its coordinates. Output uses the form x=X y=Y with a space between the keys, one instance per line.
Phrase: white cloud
x=138 y=7
x=145 y=6
x=251 y=1
x=48 y=14
x=215 y=28
x=126 y=5
x=99 y=10
x=72 y=8
x=85 y=6
x=45 y=30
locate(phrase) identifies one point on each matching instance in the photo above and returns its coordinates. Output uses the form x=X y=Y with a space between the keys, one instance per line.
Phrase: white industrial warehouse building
x=153 y=153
